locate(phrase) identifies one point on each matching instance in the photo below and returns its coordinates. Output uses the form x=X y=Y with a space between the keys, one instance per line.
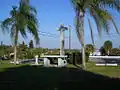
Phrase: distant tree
x=108 y=46
x=89 y=48
x=102 y=51
x=115 y=52
x=31 y=45
x=22 y=47
x=1 y=43
x=23 y=43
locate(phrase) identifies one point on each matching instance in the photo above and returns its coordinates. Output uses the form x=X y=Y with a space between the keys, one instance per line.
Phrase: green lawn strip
x=6 y=65
x=26 y=77
x=104 y=70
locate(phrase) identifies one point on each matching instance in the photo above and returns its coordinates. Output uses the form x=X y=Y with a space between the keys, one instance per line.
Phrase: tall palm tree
x=21 y=20
x=108 y=46
x=99 y=11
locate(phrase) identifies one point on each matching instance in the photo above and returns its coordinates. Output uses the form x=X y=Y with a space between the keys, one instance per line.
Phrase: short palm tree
x=99 y=11
x=21 y=18
x=108 y=46
x=89 y=48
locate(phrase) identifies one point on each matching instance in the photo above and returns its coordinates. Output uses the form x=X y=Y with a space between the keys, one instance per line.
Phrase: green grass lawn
x=26 y=77
x=110 y=71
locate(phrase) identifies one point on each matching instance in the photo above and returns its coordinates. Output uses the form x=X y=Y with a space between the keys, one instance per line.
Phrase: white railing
x=105 y=57
x=106 y=63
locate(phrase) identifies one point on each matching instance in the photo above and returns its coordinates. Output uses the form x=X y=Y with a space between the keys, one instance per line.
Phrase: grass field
x=25 y=77
x=104 y=70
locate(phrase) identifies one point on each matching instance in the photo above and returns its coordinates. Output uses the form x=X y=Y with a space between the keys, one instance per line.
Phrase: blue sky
x=52 y=13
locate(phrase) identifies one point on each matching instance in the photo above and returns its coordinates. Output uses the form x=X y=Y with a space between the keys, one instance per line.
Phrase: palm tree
x=31 y=45
x=108 y=46
x=99 y=11
x=21 y=18
x=89 y=48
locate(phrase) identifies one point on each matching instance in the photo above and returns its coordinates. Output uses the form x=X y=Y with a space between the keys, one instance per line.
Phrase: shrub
x=29 y=53
x=102 y=50
x=53 y=52
x=87 y=56
x=115 y=52
x=89 y=48
x=76 y=57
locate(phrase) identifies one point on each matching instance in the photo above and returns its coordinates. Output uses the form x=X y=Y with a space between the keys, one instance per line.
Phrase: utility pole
x=62 y=28
x=69 y=37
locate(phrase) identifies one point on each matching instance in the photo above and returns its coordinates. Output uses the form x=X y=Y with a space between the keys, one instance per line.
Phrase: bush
x=87 y=56
x=76 y=57
x=29 y=53
x=53 y=52
x=102 y=51
x=115 y=52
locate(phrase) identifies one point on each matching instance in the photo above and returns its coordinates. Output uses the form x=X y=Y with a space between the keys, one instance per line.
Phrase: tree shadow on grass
x=40 y=78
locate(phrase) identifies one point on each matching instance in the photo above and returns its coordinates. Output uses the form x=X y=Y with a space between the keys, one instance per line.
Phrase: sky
x=52 y=13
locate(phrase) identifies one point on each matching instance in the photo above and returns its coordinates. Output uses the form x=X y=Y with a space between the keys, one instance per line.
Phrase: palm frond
x=6 y=24
x=12 y=32
x=23 y=33
x=24 y=2
x=114 y=4
x=26 y=8
x=33 y=18
x=14 y=11
x=31 y=23
x=97 y=21
x=104 y=18
x=32 y=28
x=33 y=10
x=115 y=26
x=108 y=19
x=78 y=5
x=87 y=3
x=91 y=31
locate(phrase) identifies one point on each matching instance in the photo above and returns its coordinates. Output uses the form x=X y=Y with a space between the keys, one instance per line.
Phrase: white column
x=62 y=42
x=59 y=62
x=46 y=62
x=36 y=59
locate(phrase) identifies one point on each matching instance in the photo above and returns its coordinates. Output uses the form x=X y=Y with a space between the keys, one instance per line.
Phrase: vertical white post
x=36 y=59
x=61 y=42
x=60 y=62
x=46 y=62
x=62 y=29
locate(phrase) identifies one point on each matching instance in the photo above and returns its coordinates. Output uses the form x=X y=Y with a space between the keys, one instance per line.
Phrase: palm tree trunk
x=15 y=45
x=83 y=57
x=81 y=32
x=15 y=53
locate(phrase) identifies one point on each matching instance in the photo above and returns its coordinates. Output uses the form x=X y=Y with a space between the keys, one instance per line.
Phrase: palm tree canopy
x=99 y=10
x=22 y=18
x=89 y=48
x=108 y=45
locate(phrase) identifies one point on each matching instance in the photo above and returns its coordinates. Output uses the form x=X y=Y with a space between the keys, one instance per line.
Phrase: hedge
x=115 y=52
x=76 y=57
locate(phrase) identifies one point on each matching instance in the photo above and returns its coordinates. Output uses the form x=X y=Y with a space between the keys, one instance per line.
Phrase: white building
x=96 y=53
